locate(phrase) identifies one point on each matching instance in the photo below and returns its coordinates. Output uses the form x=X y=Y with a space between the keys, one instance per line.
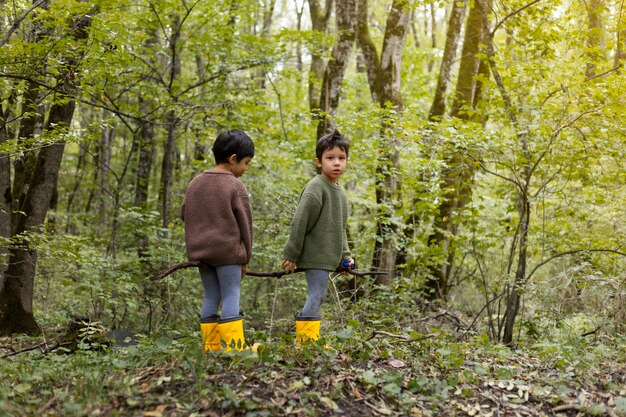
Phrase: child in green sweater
x=318 y=242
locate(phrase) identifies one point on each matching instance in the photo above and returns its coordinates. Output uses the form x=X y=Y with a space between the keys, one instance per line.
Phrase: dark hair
x=232 y=142
x=329 y=141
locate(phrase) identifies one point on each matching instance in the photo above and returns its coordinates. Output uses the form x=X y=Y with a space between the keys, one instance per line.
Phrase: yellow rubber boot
x=307 y=328
x=210 y=336
x=231 y=334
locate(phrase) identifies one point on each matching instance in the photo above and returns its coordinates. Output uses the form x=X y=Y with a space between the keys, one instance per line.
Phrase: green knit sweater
x=318 y=230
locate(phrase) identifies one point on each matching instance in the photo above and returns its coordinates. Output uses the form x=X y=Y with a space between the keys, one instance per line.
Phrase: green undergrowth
x=354 y=370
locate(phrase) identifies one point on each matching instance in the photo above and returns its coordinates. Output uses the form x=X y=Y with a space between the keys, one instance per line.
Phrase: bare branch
x=570 y=252
x=402 y=338
x=17 y=22
x=513 y=13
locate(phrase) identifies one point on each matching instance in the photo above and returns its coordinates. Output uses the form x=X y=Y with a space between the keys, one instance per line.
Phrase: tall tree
x=456 y=187
x=171 y=119
x=319 y=23
x=383 y=75
x=620 y=49
x=5 y=193
x=16 y=297
x=595 y=40
x=453 y=34
x=99 y=194
x=345 y=13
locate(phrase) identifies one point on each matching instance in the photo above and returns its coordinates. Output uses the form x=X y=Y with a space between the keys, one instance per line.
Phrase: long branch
x=18 y=21
x=570 y=252
x=513 y=13
x=271 y=274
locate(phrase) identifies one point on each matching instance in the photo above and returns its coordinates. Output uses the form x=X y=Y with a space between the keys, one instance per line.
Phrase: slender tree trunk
x=345 y=13
x=595 y=41
x=146 y=149
x=470 y=62
x=167 y=167
x=78 y=180
x=384 y=80
x=433 y=33
x=101 y=191
x=453 y=34
x=144 y=144
x=620 y=44
x=513 y=293
x=266 y=26
x=5 y=195
x=299 y=14
x=319 y=23
x=514 y=297
x=456 y=188
x=169 y=150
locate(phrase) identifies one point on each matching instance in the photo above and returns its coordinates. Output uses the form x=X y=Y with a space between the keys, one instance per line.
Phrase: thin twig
x=570 y=252
x=402 y=338
x=331 y=278
x=270 y=331
x=40 y=345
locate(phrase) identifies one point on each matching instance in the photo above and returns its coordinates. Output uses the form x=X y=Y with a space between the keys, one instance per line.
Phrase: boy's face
x=239 y=167
x=333 y=163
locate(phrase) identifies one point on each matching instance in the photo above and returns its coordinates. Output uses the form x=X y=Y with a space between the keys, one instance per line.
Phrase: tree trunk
x=169 y=149
x=167 y=167
x=595 y=41
x=514 y=294
x=101 y=191
x=299 y=14
x=266 y=25
x=433 y=33
x=81 y=163
x=453 y=34
x=456 y=188
x=5 y=195
x=470 y=62
x=146 y=150
x=319 y=23
x=620 y=47
x=384 y=80
x=345 y=13
x=24 y=166
x=16 y=297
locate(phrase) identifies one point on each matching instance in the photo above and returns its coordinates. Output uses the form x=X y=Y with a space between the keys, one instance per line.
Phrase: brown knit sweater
x=218 y=219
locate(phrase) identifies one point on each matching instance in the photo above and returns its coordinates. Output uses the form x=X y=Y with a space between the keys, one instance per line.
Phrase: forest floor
x=376 y=374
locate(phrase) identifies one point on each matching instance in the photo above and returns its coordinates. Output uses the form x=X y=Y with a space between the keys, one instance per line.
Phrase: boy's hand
x=346 y=266
x=244 y=269
x=288 y=266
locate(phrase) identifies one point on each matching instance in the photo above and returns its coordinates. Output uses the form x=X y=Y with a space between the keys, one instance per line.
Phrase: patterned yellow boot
x=231 y=334
x=210 y=336
x=307 y=328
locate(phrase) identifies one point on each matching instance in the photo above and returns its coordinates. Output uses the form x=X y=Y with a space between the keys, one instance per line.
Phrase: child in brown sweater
x=218 y=232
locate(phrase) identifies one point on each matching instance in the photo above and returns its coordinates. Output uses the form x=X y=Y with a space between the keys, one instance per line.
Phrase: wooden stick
x=401 y=337
x=273 y=274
